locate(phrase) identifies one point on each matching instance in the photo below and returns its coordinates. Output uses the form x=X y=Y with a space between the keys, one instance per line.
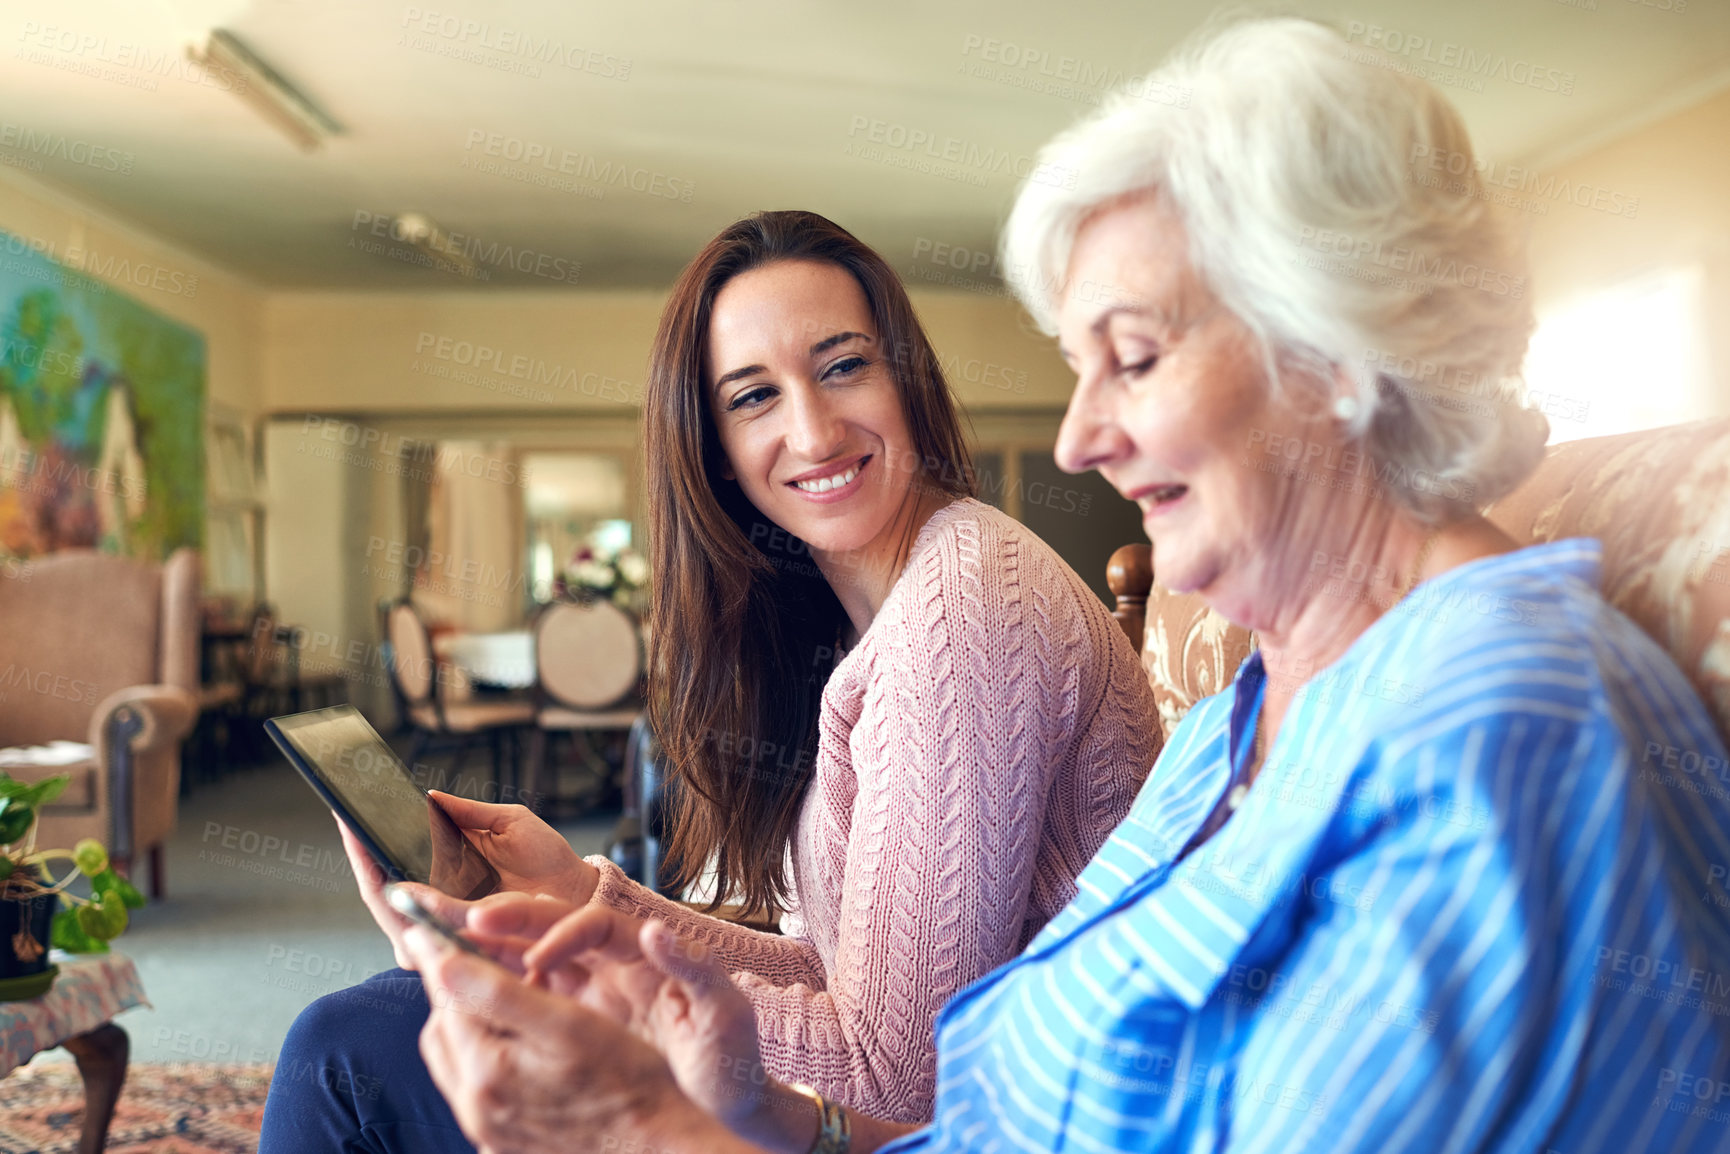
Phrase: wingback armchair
x=1658 y=500
x=103 y=650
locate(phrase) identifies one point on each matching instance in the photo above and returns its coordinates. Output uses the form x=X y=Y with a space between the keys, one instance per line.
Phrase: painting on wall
x=101 y=416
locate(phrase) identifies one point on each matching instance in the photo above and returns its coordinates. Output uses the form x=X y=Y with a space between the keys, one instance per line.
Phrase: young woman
x=898 y=718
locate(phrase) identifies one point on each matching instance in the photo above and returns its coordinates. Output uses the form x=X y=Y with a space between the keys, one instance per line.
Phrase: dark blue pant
x=351 y=1080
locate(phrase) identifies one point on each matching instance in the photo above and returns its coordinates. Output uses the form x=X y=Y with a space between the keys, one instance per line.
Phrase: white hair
x=1333 y=204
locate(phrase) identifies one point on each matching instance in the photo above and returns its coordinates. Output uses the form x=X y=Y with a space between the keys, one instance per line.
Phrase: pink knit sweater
x=976 y=747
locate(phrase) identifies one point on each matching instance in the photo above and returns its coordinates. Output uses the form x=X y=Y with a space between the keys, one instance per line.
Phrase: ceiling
x=715 y=108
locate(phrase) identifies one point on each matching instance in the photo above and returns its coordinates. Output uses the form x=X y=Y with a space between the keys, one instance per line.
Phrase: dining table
x=503 y=660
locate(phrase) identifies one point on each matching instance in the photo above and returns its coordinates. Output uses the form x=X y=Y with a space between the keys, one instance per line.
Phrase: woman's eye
x=750 y=398
x=1141 y=367
x=846 y=365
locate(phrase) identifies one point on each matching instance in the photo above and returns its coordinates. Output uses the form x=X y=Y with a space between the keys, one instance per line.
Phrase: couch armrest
x=137 y=733
x=164 y=715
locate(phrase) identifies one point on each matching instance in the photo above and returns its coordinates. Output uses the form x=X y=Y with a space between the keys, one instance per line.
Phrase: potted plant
x=29 y=922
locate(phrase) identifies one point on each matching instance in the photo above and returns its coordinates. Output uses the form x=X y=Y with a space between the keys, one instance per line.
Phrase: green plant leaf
x=90 y=857
x=108 y=882
x=68 y=934
x=47 y=790
x=7 y=865
x=64 y=929
x=104 y=920
x=114 y=916
x=94 y=921
x=129 y=895
x=37 y=793
x=16 y=818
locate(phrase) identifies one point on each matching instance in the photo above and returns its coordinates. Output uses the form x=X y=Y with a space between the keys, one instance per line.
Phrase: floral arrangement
x=617 y=575
x=85 y=925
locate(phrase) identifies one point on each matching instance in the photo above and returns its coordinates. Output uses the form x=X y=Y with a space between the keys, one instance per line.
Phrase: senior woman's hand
x=370 y=880
x=528 y=1070
x=639 y=1010
x=667 y=991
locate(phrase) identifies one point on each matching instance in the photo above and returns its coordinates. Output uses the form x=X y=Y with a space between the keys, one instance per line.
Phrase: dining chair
x=648 y=800
x=438 y=717
x=588 y=673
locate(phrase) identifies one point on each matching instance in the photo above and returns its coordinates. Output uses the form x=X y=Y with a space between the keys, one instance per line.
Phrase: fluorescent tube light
x=265 y=89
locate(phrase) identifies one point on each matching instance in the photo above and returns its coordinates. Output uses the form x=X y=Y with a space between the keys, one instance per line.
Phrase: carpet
x=176 y=1108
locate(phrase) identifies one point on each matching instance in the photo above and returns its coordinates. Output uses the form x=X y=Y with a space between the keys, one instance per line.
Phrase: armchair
x=104 y=650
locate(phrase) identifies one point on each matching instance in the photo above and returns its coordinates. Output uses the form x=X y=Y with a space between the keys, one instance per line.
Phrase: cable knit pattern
x=975 y=749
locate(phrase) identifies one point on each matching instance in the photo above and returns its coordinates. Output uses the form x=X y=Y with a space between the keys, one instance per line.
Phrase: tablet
x=360 y=777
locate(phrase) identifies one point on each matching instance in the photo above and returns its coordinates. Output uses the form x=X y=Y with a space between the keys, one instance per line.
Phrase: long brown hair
x=743 y=628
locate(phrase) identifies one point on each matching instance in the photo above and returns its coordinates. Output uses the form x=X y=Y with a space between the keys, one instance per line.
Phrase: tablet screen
x=376 y=795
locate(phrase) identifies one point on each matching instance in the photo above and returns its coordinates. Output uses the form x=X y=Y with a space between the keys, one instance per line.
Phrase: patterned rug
x=183 y=1108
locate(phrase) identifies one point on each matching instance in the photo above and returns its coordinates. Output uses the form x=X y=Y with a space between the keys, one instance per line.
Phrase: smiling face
x=1173 y=407
x=809 y=417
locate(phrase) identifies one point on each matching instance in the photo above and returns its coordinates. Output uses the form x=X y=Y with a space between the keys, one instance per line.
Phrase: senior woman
x=1377 y=894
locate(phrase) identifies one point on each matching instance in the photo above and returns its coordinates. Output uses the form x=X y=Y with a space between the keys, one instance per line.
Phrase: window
x=573 y=501
x=1626 y=358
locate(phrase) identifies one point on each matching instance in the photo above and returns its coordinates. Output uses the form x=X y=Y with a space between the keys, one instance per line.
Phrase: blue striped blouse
x=1475 y=901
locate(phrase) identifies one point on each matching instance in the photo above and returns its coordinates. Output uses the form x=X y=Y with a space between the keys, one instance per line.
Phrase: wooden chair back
x=412 y=665
x=587 y=655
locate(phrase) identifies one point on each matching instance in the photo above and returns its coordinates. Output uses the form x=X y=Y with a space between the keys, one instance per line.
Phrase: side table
x=77 y=1013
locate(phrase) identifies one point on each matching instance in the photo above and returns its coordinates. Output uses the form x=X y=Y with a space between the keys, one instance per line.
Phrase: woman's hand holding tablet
x=531 y=857
x=378 y=800
x=393 y=830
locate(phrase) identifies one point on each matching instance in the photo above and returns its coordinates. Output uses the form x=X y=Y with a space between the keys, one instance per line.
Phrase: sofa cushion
x=1189 y=651
x=1659 y=500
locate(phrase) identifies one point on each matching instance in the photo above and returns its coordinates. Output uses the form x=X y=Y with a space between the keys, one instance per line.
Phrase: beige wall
x=1679 y=168
x=582 y=351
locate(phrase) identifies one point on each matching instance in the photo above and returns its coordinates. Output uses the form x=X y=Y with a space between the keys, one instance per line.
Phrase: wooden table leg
x=101 y=1056
x=530 y=781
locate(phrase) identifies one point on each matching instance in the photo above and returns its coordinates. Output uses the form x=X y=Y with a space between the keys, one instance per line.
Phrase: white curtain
x=472 y=574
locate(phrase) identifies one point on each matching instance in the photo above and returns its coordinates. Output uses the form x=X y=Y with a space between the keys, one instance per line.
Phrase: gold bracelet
x=834 y=1131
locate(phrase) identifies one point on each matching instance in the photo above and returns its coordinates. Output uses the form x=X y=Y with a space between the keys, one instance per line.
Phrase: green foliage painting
x=101 y=416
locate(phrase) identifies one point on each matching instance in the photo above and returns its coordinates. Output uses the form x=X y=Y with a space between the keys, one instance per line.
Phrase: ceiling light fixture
x=265 y=89
x=449 y=253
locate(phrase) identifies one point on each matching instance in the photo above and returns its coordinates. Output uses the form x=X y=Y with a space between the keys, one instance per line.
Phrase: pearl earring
x=1346 y=408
